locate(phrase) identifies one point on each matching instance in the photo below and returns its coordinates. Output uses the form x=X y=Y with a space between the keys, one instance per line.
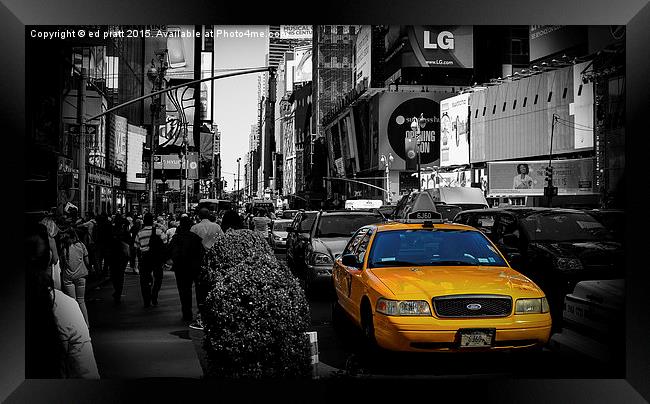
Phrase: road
x=342 y=348
x=131 y=342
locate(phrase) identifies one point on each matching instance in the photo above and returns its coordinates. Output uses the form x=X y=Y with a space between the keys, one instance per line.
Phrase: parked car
x=329 y=235
x=298 y=237
x=424 y=285
x=594 y=322
x=278 y=235
x=554 y=247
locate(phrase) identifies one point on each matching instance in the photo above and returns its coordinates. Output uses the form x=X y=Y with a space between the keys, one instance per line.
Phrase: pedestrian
x=172 y=229
x=104 y=234
x=57 y=340
x=231 y=221
x=54 y=267
x=187 y=254
x=206 y=229
x=261 y=223
x=74 y=269
x=150 y=245
x=119 y=256
x=133 y=231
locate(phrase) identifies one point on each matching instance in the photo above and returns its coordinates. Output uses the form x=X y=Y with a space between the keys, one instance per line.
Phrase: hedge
x=255 y=315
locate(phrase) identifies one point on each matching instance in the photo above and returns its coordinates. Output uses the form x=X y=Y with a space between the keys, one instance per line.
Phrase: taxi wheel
x=368 y=327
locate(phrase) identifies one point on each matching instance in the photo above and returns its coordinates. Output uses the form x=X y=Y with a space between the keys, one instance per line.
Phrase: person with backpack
x=150 y=244
x=119 y=256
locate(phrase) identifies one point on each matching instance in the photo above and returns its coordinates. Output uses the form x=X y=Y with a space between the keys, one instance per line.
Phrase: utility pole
x=81 y=103
x=549 y=189
x=238 y=164
x=214 y=165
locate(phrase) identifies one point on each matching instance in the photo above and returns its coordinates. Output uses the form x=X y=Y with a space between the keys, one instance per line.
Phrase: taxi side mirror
x=514 y=258
x=350 y=260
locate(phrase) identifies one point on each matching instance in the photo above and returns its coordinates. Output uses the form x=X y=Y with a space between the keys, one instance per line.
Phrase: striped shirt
x=144 y=235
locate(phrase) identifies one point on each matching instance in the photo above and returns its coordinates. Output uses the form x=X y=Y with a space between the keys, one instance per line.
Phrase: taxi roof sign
x=424 y=215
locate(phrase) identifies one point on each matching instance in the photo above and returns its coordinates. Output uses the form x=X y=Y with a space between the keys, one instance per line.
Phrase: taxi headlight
x=531 y=306
x=403 y=307
x=320 y=259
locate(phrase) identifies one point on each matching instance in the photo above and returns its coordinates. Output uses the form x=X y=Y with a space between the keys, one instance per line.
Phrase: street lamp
x=238 y=165
x=415 y=126
x=387 y=162
x=156 y=76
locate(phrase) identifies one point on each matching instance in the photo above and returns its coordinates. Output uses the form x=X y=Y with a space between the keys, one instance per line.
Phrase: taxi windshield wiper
x=395 y=264
x=454 y=262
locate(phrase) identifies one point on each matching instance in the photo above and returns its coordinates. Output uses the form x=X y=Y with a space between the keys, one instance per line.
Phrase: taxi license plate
x=476 y=338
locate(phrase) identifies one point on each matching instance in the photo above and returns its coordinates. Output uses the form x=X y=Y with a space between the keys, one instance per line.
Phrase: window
x=494 y=109
x=484 y=110
x=550 y=95
x=525 y=99
x=580 y=90
x=476 y=114
x=328 y=29
x=514 y=104
x=564 y=93
x=339 y=30
x=517 y=47
x=535 y=102
x=504 y=107
x=354 y=242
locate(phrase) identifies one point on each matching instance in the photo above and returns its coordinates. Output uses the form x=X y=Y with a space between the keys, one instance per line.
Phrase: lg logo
x=445 y=40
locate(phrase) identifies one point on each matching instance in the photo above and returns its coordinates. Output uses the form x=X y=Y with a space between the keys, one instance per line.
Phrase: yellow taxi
x=423 y=285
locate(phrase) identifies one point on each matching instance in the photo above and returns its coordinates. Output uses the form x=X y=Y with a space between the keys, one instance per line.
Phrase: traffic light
x=410 y=145
x=549 y=174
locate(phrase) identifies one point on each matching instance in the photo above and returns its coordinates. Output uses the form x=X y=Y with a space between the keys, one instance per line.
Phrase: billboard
x=302 y=70
x=571 y=177
x=174 y=162
x=136 y=136
x=396 y=111
x=178 y=125
x=454 y=142
x=180 y=52
x=118 y=128
x=362 y=55
x=546 y=40
x=443 y=46
x=295 y=32
x=206 y=87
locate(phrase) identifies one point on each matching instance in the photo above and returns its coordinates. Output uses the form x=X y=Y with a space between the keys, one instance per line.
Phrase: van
x=356 y=204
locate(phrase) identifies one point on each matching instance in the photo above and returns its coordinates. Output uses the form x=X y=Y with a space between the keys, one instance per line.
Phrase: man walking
x=206 y=229
x=187 y=254
x=150 y=245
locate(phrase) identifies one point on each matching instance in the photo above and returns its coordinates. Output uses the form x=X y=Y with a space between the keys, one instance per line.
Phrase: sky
x=235 y=98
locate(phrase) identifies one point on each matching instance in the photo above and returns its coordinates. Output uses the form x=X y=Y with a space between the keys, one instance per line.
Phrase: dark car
x=328 y=237
x=556 y=248
x=289 y=214
x=612 y=219
x=278 y=234
x=298 y=237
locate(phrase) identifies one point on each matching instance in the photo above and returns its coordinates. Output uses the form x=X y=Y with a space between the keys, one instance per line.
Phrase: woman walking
x=74 y=270
x=119 y=256
x=57 y=341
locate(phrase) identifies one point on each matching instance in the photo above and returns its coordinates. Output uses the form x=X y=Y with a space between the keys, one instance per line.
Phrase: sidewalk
x=131 y=342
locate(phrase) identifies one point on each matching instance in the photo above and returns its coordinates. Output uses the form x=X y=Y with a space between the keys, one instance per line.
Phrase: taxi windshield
x=432 y=247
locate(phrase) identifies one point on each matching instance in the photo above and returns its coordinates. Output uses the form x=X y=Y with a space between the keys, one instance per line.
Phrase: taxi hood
x=431 y=281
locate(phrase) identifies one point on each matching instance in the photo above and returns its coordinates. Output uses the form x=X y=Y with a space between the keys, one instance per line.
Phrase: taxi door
x=348 y=280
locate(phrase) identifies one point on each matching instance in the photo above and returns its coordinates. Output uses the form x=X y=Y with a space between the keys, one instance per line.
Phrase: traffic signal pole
x=549 y=171
x=81 y=99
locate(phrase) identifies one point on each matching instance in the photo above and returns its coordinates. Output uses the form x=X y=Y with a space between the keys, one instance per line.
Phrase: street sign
x=140 y=175
x=73 y=129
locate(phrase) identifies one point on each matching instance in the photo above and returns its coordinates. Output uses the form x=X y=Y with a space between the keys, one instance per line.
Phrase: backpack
x=156 y=246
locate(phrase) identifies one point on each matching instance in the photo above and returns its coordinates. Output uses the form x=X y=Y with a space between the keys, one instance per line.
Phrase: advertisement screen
x=295 y=32
x=362 y=55
x=302 y=69
x=443 y=46
x=571 y=177
x=454 y=143
x=118 y=126
x=174 y=162
x=180 y=52
x=396 y=113
x=135 y=141
x=546 y=40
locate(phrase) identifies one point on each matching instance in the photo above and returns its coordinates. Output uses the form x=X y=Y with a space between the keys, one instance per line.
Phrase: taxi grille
x=484 y=306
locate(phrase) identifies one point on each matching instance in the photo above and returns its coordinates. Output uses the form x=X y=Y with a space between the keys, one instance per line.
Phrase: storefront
x=119 y=193
x=99 y=191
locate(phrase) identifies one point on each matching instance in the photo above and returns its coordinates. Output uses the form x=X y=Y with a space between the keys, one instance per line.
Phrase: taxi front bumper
x=429 y=334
